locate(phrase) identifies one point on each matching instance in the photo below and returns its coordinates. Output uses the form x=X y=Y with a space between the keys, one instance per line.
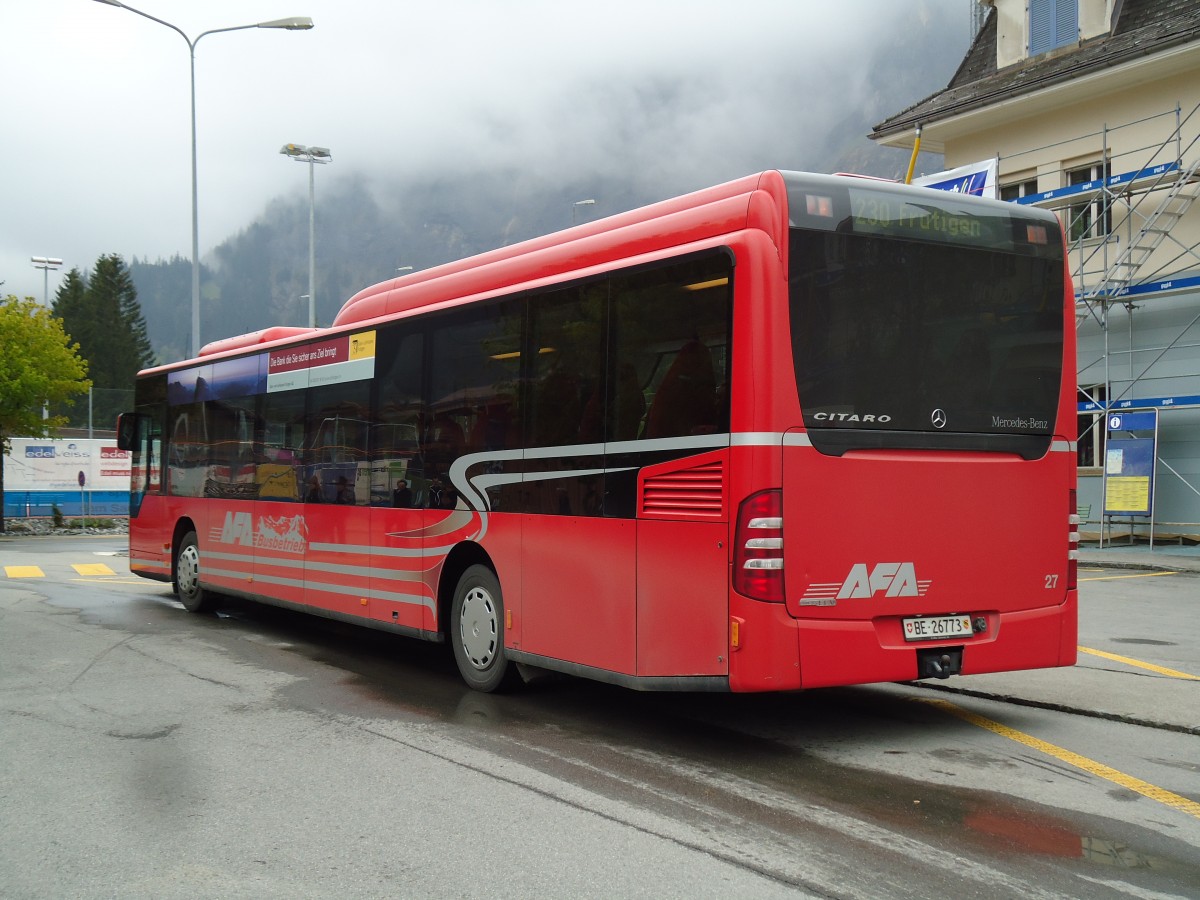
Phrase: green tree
x=39 y=367
x=102 y=313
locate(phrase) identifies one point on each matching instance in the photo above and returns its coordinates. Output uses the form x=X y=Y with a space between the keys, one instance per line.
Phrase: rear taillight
x=1072 y=540
x=758 y=550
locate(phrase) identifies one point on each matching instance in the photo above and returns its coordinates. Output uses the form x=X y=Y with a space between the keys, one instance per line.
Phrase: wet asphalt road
x=145 y=752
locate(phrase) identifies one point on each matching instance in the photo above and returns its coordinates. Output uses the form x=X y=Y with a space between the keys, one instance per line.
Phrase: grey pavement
x=1103 y=688
x=1164 y=556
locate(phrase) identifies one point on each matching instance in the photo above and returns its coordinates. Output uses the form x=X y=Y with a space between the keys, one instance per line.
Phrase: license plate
x=934 y=628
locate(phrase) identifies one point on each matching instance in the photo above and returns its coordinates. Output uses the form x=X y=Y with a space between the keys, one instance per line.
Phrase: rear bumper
x=831 y=652
x=839 y=652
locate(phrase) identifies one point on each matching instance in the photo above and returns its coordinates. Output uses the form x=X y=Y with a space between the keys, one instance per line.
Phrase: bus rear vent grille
x=695 y=492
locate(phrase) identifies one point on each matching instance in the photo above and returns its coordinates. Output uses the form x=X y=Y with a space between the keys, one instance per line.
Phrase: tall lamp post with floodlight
x=578 y=203
x=46 y=263
x=312 y=156
x=295 y=23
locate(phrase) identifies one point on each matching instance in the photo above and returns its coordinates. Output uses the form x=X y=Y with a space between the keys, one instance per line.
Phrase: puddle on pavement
x=695 y=751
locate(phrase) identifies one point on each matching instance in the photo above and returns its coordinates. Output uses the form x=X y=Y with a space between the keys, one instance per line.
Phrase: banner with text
x=977 y=179
x=41 y=464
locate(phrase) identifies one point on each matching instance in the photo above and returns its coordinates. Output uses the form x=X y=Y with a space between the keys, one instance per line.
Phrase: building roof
x=1143 y=28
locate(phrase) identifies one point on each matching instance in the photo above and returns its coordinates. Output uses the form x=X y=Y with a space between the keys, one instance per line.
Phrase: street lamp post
x=578 y=203
x=46 y=263
x=295 y=23
x=312 y=156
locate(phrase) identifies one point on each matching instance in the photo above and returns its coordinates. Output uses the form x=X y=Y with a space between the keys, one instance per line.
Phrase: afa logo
x=238 y=529
x=286 y=534
x=894 y=579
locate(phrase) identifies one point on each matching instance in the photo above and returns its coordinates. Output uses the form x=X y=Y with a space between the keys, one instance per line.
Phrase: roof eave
x=997 y=107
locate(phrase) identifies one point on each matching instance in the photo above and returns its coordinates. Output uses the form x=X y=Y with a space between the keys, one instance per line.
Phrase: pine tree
x=71 y=307
x=102 y=314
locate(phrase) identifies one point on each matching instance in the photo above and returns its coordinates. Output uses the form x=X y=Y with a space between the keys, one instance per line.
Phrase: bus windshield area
x=925 y=343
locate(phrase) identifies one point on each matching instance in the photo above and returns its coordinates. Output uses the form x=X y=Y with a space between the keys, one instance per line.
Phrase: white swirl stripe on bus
x=328 y=587
x=308 y=565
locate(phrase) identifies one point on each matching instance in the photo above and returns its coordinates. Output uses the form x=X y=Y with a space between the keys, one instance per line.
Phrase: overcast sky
x=94 y=101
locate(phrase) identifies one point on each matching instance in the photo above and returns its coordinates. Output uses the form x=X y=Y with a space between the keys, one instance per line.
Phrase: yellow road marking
x=1139 y=664
x=140 y=582
x=1139 y=575
x=1162 y=795
x=92 y=569
x=24 y=572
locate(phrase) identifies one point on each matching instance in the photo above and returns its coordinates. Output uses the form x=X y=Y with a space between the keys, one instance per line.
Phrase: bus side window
x=400 y=418
x=337 y=436
x=474 y=374
x=280 y=472
x=187 y=465
x=671 y=336
x=685 y=401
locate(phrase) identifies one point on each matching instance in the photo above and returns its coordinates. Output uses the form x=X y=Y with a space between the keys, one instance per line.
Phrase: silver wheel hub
x=479 y=628
x=188 y=569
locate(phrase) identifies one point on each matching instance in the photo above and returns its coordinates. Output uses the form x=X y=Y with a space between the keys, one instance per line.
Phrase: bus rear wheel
x=477 y=630
x=187 y=576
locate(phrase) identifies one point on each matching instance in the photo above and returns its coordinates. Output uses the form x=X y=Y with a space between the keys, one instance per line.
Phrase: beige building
x=1092 y=108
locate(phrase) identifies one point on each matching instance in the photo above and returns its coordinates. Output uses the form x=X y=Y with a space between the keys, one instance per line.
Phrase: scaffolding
x=1127 y=249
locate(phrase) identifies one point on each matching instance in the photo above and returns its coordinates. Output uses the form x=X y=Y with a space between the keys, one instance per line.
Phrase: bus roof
x=758 y=201
x=755 y=201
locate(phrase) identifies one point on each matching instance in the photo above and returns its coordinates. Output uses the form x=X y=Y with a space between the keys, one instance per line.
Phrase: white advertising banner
x=40 y=464
x=977 y=179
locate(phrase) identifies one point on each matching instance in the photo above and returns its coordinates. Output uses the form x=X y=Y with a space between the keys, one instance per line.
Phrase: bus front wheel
x=187 y=576
x=477 y=630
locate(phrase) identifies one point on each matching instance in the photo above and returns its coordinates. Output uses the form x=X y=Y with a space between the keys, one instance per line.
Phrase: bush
x=92 y=523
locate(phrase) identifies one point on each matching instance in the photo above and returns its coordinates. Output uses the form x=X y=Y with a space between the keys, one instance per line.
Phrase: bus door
x=337 y=493
x=142 y=435
x=578 y=532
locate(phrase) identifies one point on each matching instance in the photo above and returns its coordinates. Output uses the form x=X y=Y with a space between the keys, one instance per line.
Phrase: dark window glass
x=232 y=432
x=1017 y=190
x=919 y=341
x=146 y=459
x=281 y=464
x=669 y=364
x=187 y=450
x=670 y=338
x=566 y=370
x=566 y=367
x=337 y=438
x=397 y=475
x=1092 y=219
x=475 y=365
x=1091 y=426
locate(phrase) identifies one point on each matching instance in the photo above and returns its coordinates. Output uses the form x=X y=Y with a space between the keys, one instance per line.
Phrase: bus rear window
x=908 y=343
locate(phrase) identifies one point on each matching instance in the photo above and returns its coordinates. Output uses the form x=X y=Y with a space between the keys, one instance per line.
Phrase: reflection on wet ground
x=763 y=767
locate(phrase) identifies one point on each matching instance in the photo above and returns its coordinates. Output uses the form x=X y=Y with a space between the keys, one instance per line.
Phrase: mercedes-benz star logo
x=938 y=418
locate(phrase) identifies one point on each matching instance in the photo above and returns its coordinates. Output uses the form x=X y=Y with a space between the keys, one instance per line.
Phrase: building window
x=1091 y=426
x=1052 y=24
x=1092 y=218
x=1018 y=189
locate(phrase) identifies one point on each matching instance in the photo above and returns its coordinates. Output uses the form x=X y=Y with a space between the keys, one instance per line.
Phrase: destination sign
x=880 y=213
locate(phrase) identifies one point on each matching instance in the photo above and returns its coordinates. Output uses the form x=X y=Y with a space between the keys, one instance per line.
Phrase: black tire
x=187 y=576
x=477 y=631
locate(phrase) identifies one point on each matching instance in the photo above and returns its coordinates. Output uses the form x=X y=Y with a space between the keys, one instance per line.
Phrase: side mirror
x=127 y=431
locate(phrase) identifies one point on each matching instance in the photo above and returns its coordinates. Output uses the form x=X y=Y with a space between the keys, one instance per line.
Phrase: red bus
x=787 y=432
